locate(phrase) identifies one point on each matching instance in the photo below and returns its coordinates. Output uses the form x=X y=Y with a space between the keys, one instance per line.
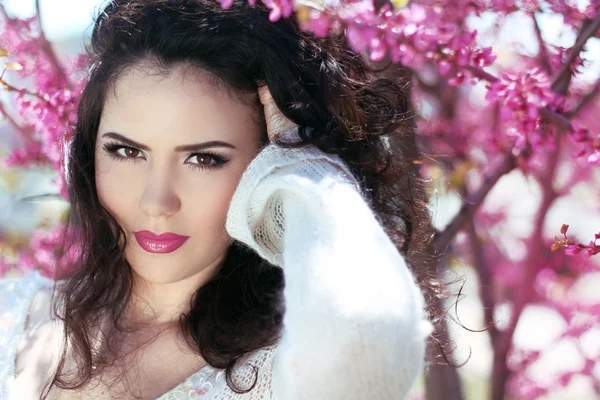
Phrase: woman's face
x=156 y=170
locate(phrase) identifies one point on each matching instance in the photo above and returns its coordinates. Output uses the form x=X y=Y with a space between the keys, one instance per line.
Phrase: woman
x=236 y=191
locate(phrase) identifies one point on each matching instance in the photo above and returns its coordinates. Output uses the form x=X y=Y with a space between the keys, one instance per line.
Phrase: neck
x=161 y=304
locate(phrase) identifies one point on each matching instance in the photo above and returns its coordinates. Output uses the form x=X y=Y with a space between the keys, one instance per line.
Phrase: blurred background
x=545 y=362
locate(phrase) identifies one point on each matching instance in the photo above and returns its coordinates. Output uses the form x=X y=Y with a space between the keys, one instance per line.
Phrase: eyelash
x=112 y=148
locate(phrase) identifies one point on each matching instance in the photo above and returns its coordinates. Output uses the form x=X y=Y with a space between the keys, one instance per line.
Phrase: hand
x=277 y=123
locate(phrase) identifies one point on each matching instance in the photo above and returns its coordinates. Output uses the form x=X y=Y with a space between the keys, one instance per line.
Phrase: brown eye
x=131 y=152
x=204 y=159
x=123 y=153
x=207 y=160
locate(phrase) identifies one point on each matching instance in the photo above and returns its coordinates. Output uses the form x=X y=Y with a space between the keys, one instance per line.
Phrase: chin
x=162 y=275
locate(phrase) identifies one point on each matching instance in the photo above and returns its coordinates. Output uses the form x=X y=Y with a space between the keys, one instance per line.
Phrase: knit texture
x=354 y=326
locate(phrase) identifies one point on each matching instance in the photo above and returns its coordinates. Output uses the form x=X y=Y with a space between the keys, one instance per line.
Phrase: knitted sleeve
x=354 y=325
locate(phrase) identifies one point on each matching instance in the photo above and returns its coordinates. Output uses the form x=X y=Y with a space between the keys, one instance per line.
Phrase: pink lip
x=163 y=243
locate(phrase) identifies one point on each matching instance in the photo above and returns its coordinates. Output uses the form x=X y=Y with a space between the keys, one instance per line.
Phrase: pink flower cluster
x=5 y=266
x=580 y=317
x=522 y=94
x=572 y=13
x=573 y=248
x=591 y=249
x=560 y=56
x=19 y=36
x=414 y=35
x=590 y=144
x=510 y=6
x=279 y=8
x=462 y=133
x=51 y=115
x=47 y=112
x=41 y=254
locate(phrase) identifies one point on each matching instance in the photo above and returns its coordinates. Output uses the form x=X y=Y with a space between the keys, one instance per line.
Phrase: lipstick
x=164 y=243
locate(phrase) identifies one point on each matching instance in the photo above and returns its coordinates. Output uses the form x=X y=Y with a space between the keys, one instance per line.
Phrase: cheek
x=208 y=201
x=117 y=187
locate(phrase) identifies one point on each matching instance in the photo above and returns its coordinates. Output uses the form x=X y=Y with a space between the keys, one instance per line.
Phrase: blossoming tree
x=480 y=118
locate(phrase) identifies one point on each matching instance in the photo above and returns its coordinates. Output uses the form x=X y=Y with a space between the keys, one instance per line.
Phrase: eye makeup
x=113 y=149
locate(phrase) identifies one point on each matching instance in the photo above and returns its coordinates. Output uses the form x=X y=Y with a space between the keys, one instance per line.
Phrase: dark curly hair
x=316 y=82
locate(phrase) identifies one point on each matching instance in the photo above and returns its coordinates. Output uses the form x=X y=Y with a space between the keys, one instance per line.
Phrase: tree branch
x=44 y=196
x=592 y=94
x=560 y=119
x=25 y=134
x=485 y=279
x=481 y=74
x=535 y=258
x=543 y=55
x=12 y=88
x=441 y=381
x=9 y=118
x=46 y=46
x=473 y=201
x=5 y=15
x=525 y=290
x=564 y=75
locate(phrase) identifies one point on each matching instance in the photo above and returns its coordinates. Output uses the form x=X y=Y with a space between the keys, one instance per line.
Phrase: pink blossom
x=572 y=14
x=589 y=144
x=41 y=253
x=413 y=35
x=559 y=57
x=279 y=9
x=522 y=94
x=460 y=131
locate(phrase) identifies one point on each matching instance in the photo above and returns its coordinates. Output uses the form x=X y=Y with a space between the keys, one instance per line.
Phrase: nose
x=160 y=198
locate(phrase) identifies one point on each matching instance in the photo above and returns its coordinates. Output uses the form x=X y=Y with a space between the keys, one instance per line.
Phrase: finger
x=264 y=94
x=277 y=122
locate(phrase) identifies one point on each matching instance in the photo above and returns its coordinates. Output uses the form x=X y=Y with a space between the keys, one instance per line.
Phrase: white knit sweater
x=354 y=325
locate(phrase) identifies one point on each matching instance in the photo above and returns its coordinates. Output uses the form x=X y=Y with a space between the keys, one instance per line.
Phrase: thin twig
x=9 y=20
x=41 y=197
x=24 y=133
x=559 y=118
x=543 y=55
x=480 y=73
x=563 y=77
x=9 y=118
x=12 y=88
x=592 y=94
x=48 y=49
x=482 y=267
x=473 y=201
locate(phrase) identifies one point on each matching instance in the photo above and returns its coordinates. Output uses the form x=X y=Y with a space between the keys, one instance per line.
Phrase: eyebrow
x=182 y=148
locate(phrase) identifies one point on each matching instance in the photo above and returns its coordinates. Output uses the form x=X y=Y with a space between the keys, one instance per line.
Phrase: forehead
x=145 y=102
